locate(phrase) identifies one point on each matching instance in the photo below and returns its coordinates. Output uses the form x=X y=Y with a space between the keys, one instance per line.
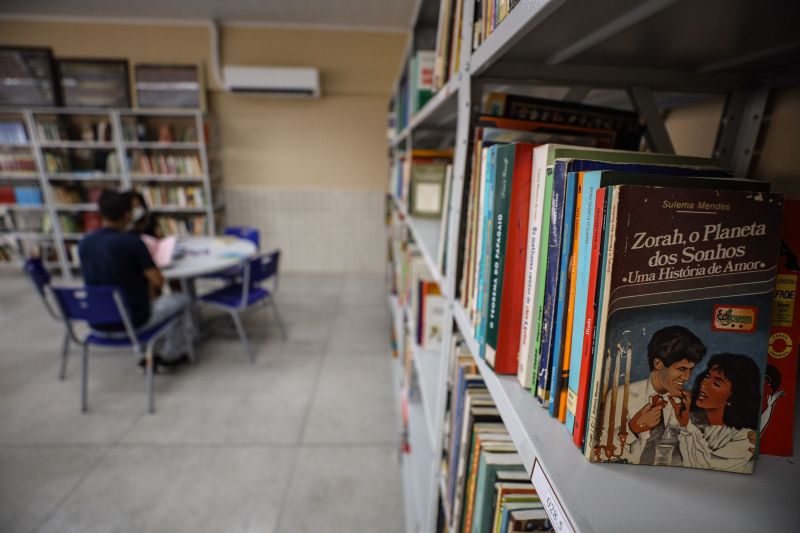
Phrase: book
x=778 y=404
x=589 y=252
x=489 y=463
x=434 y=325
x=506 y=277
x=161 y=250
x=687 y=289
x=624 y=125
x=506 y=493
x=529 y=520
x=481 y=442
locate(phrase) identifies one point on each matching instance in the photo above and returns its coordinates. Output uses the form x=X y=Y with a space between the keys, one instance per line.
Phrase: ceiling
x=365 y=14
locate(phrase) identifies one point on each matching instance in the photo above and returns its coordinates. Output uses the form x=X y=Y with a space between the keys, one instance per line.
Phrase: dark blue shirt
x=110 y=257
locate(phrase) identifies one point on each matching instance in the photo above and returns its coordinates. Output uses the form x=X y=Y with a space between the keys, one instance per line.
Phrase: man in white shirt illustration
x=652 y=427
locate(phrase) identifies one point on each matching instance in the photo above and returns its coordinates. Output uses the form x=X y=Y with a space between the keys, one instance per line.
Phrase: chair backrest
x=97 y=305
x=245 y=232
x=38 y=274
x=264 y=266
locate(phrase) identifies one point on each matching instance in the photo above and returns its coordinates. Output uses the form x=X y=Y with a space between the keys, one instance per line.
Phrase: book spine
x=595 y=350
x=552 y=269
x=570 y=299
x=506 y=358
x=536 y=330
x=525 y=370
x=475 y=292
x=485 y=251
x=502 y=200
x=585 y=332
x=585 y=218
x=562 y=281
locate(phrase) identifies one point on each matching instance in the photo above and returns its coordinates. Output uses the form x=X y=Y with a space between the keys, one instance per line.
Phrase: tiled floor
x=304 y=440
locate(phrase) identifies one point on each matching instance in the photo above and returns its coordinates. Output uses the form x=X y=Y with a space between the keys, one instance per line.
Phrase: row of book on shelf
x=486 y=488
x=17 y=162
x=181 y=196
x=429 y=70
x=184 y=165
x=20 y=195
x=86 y=129
x=639 y=296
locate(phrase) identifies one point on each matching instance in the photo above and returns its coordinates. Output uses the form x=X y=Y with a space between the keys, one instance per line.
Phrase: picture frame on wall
x=94 y=82
x=27 y=77
x=169 y=86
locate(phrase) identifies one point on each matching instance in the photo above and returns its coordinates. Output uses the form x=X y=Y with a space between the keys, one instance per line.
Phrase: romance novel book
x=683 y=321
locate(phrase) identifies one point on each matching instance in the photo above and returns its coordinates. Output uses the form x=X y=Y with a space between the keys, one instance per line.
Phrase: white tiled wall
x=317 y=230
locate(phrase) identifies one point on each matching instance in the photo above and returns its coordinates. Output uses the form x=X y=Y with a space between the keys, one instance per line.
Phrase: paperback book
x=683 y=322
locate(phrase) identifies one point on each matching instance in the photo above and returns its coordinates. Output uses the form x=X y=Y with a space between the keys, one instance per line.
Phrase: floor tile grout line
x=304 y=427
x=57 y=507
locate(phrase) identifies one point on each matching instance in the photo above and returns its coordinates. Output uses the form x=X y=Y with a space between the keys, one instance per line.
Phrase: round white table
x=200 y=256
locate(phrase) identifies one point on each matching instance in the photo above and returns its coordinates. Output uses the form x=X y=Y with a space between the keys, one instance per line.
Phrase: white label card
x=555 y=512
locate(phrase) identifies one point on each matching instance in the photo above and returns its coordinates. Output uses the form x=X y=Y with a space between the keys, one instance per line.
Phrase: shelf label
x=552 y=505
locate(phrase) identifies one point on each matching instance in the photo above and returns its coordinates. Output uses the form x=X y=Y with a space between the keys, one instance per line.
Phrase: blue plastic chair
x=245 y=232
x=247 y=291
x=105 y=305
x=242 y=232
x=41 y=281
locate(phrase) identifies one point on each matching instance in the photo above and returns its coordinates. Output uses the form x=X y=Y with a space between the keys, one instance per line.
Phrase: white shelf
x=83 y=176
x=23 y=207
x=601 y=497
x=176 y=209
x=155 y=145
x=426 y=234
x=76 y=207
x=30 y=235
x=12 y=175
x=427 y=364
x=175 y=178
x=95 y=145
x=422 y=458
x=15 y=145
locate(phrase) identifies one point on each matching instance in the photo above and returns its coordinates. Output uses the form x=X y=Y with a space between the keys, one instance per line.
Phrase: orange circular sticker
x=780 y=345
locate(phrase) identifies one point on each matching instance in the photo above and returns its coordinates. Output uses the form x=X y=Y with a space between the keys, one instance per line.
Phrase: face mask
x=138 y=213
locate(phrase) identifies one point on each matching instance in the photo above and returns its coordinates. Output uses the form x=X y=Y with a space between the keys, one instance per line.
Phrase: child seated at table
x=111 y=256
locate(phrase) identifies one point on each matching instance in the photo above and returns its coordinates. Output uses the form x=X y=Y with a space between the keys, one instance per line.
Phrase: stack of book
x=138 y=131
x=621 y=288
x=181 y=196
x=486 y=486
x=28 y=195
x=13 y=132
x=177 y=165
x=65 y=130
x=488 y=15
x=75 y=194
x=167 y=226
x=419 y=181
x=17 y=162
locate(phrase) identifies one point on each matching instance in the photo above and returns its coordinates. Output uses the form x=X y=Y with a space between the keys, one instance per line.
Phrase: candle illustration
x=623 y=423
x=604 y=392
x=613 y=407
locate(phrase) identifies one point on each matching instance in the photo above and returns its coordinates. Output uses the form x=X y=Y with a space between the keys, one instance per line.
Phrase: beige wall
x=337 y=141
x=693 y=130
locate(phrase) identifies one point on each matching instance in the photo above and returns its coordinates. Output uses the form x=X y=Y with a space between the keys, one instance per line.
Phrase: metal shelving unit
x=121 y=177
x=737 y=49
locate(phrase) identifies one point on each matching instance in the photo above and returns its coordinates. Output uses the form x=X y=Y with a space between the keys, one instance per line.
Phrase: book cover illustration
x=777 y=409
x=681 y=340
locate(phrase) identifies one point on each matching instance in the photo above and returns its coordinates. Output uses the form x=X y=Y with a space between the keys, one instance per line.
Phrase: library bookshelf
x=162 y=153
x=581 y=46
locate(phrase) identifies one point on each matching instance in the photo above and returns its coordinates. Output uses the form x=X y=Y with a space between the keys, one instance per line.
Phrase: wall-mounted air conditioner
x=276 y=81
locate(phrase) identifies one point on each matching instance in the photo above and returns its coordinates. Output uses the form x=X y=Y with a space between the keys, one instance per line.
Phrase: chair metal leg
x=62 y=374
x=188 y=332
x=151 y=381
x=278 y=318
x=85 y=380
x=237 y=321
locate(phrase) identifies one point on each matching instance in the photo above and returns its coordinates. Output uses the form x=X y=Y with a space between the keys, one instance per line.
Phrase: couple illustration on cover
x=713 y=426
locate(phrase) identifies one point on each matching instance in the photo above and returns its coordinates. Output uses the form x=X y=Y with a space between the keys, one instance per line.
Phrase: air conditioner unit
x=277 y=81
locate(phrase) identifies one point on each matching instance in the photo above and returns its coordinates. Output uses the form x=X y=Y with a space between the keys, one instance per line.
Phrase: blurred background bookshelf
x=54 y=162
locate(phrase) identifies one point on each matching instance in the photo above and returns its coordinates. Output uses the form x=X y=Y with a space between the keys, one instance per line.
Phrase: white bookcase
x=123 y=143
x=614 y=44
